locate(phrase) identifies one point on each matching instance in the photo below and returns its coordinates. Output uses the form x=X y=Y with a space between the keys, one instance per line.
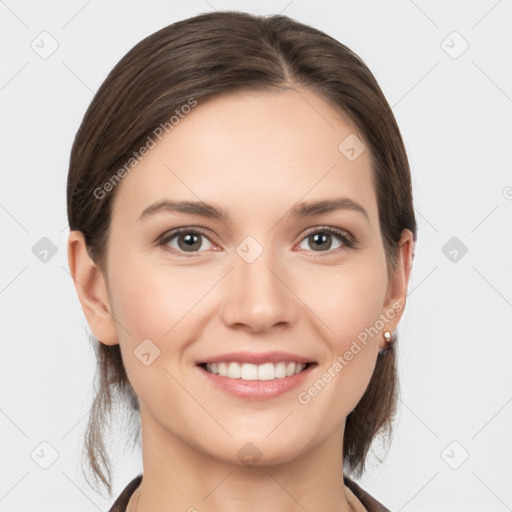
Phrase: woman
x=242 y=236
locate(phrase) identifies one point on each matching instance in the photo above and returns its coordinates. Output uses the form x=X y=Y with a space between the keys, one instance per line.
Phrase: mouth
x=256 y=372
x=256 y=376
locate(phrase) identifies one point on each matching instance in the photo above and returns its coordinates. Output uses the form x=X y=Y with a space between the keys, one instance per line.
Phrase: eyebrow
x=300 y=210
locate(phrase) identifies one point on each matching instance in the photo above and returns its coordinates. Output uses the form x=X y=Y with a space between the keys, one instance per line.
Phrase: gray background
x=452 y=448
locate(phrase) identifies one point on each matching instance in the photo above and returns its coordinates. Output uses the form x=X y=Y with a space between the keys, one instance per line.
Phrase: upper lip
x=256 y=358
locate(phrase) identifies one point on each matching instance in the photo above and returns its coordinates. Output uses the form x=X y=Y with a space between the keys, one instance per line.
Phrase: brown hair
x=204 y=56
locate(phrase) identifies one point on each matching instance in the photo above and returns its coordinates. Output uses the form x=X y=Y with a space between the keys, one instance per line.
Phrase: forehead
x=266 y=151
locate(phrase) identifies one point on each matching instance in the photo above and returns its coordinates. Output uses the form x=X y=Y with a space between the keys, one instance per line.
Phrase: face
x=268 y=284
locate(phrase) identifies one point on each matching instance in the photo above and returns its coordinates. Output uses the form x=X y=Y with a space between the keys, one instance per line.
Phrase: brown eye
x=320 y=241
x=327 y=240
x=186 y=241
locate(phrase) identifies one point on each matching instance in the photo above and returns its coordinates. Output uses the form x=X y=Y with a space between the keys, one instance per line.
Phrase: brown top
x=370 y=503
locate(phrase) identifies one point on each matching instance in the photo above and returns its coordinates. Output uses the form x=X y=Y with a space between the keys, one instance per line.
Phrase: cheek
x=153 y=306
x=347 y=299
x=350 y=313
x=158 y=301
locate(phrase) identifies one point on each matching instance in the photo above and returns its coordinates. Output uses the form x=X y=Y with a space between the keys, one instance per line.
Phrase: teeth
x=233 y=371
x=248 y=371
x=280 y=370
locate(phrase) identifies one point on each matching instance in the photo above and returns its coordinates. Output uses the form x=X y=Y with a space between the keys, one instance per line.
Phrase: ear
x=398 y=282
x=91 y=289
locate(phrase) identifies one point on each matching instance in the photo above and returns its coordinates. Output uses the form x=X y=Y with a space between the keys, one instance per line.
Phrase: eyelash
x=349 y=241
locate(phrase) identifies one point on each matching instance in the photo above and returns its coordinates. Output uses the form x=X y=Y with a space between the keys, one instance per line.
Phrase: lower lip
x=256 y=389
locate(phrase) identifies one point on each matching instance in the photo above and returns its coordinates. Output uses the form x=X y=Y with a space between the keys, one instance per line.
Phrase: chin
x=250 y=451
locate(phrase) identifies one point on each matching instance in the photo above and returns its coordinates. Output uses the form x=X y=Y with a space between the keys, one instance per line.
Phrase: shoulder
x=369 y=502
x=122 y=500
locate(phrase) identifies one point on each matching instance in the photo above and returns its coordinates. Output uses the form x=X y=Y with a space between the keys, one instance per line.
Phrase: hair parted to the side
x=215 y=54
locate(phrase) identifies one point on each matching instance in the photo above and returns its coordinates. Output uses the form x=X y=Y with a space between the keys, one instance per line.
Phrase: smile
x=249 y=371
x=249 y=381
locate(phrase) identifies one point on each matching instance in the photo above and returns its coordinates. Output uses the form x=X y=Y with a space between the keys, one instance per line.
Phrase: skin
x=255 y=155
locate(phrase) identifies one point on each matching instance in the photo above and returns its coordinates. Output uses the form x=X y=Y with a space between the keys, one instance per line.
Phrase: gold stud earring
x=387 y=337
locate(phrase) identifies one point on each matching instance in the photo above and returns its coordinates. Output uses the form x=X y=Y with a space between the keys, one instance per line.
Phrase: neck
x=178 y=476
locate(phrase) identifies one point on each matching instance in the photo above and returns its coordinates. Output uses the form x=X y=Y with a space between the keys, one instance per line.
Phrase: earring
x=388 y=337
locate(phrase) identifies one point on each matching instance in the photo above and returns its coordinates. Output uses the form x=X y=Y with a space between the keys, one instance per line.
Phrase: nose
x=258 y=295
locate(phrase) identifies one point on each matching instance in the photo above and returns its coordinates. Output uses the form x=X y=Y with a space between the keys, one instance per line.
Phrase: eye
x=187 y=241
x=321 y=239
